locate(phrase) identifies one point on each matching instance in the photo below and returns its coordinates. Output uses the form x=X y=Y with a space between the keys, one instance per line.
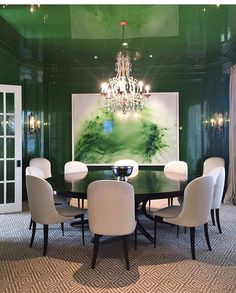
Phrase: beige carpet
x=168 y=268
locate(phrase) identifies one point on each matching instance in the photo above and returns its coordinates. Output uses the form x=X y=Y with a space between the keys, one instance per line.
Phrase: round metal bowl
x=122 y=172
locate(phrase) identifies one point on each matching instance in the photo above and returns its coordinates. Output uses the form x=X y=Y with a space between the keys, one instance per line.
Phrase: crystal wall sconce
x=217 y=122
x=34 y=124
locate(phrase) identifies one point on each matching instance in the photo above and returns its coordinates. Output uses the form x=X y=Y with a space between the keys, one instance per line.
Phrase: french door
x=10 y=149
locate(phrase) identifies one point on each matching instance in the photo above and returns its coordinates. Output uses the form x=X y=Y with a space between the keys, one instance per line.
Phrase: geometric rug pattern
x=166 y=269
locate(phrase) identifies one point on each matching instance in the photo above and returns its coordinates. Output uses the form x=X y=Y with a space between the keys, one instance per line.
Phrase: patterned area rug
x=66 y=268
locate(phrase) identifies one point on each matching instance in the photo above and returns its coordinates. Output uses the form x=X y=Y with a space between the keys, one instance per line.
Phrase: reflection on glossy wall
x=194 y=62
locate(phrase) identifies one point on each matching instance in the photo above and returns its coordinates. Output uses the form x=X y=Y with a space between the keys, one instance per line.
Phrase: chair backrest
x=111 y=207
x=179 y=167
x=75 y=167
x=219 y=175
x=41 y=202
x=128 y=162
x=34 y=172
x=43 y=164
x=197 y=203
x=212 y=163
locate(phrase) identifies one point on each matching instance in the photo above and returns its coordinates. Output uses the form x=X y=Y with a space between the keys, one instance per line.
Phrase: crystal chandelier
x=123 y=92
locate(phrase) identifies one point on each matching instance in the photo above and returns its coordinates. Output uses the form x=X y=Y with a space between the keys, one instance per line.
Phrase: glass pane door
x=10 y=149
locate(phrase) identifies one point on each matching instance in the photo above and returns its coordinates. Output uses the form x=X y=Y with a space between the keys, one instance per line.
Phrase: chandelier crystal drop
x=123 y=92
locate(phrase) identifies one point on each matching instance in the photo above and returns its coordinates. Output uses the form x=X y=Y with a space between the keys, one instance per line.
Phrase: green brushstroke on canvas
x=106 y=137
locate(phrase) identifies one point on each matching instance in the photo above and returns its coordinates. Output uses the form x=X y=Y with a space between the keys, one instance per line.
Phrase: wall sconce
x=217 y=123
x=34 y=124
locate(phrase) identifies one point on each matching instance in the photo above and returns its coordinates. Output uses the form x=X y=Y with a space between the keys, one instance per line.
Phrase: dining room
x=105 y=100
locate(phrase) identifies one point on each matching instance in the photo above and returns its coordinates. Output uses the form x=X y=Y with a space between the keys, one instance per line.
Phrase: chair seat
x=168 y=212
x=68 y=211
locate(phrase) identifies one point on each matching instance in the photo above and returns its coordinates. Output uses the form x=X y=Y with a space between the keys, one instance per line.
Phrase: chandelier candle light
x=123 y=92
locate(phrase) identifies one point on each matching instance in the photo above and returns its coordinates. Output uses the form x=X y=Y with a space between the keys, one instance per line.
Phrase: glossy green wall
x=200 y=97
x=195 y=64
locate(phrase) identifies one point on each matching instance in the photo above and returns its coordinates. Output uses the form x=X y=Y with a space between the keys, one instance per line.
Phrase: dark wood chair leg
x=149 y=205
x=177 y=231
x=82 y=200
x=125 y=247
x=155 y=231
x=207 y=235
x=135 y=238
x=62 y=228
x=82 y=228
x=213 y=217
x=192 y=241
x=45 y=235
x=33 y=233
x=218 y=220
x=95 y=249
x=185 y=230
x=30 y=225
x=170 y=201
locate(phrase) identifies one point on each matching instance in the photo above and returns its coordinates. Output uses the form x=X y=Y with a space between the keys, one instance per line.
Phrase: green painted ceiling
x=92 y=21
x=74 y=34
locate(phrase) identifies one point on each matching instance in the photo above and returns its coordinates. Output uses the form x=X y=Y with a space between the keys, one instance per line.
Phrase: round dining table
x=148 y=184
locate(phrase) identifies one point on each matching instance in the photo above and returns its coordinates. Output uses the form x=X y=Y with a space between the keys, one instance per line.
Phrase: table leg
x=144 y=231
x=142 y=210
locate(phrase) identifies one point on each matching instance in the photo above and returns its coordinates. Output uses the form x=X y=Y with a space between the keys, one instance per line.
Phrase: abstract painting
x=148 y=137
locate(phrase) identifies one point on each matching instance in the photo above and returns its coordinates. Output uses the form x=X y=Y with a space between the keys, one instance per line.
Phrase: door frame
x=17 y=205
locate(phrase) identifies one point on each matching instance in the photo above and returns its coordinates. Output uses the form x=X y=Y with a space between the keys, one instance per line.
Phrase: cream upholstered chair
x=34 y=172
x=196 y=208
x=43 y=210
x=111 y=211
x=179 y=167
x=75 y=167
x=208 y=165
x=45 y=166
x=219 y=174
x=176 y=167
x=72 y=167
x=212 y=163
x=128 y=162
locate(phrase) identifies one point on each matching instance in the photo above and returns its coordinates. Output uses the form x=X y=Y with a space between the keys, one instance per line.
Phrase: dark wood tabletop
x=148 y=184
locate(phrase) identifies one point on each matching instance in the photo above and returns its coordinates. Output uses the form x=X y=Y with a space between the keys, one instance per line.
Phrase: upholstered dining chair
x=219 y=174
x=43 y=210
x=37 y=173
x=34 y=171
x=45 y=166
x=111 y=211
x=179 y=167
x=76 y=167
x=195 y=211
x=128 y=162
x=212 y=163
x=176 y=167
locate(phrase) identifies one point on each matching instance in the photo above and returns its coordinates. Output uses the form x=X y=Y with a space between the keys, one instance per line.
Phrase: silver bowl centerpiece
x=122 y=172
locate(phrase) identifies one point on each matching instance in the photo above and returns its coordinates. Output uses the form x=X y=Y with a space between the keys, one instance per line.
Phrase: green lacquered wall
x=190 y=67
x=199 y=98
